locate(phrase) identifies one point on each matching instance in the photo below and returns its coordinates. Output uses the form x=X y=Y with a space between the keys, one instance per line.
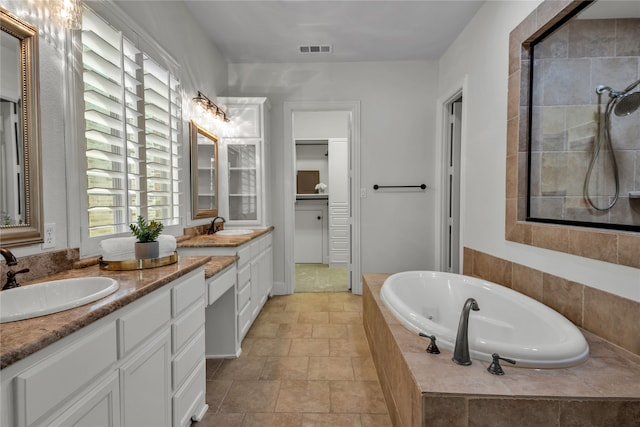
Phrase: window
x=132 y=116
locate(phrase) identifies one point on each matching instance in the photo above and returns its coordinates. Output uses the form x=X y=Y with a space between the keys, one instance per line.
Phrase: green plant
x=146 y=231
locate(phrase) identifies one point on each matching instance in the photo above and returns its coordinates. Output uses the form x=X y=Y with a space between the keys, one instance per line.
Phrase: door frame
x=442 y=134
x=353 y=107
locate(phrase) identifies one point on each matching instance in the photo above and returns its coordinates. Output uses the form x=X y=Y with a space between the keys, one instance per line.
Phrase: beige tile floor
x=305 y=362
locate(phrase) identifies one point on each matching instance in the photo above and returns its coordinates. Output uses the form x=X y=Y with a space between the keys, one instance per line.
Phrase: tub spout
x=461 y=351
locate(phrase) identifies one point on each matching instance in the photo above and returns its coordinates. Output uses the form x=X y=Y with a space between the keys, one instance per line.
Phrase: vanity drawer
x=244 y=295
x=187 y=293
x=220 y=284
x=244 y=321
x=257 y=247
x=244 y=275
x=244 y=255
x=187 y=359
x=190 y=397
x=185 y=327
x=142 y=322
x=46 y=385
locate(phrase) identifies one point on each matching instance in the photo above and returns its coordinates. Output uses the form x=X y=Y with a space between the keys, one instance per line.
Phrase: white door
x=451 y=232
x=308 y=236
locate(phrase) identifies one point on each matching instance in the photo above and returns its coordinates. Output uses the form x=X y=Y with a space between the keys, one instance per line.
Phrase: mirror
x=609 y=245
x=20 y=163
x=204 y=172
x=584 y=128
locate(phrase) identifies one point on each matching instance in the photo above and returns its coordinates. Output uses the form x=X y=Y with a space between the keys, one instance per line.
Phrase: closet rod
x=423 y=186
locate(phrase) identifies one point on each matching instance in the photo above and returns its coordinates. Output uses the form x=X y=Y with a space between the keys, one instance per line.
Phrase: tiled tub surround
x=609 y=316
x=568 y=65
x=612 y=246
x=23 y=338
x=422 y=389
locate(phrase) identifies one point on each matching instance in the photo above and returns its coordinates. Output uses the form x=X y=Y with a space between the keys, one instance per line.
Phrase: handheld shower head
x=623 y=102
x=627 y=104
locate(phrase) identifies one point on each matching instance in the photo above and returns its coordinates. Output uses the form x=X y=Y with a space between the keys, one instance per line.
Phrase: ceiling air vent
x=319 y=48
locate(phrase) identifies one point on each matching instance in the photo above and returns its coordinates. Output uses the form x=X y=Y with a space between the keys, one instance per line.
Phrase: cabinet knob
x=319 y=217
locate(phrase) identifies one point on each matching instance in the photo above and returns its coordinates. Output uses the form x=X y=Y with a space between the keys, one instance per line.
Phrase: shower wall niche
x=567 y=120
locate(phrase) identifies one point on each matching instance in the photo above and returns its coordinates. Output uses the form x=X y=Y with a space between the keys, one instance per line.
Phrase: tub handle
x=432 y=348
x=495 y=367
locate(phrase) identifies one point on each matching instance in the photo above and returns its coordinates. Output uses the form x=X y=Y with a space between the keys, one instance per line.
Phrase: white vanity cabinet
x=142 y=365
x=243 y=154
x=236 y=295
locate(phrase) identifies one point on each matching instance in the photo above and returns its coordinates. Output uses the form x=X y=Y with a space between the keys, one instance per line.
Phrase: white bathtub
x=508 y=323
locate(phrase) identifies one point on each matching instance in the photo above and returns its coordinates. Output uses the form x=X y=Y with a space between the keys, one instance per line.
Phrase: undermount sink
x=51 y=297
x=234 y=232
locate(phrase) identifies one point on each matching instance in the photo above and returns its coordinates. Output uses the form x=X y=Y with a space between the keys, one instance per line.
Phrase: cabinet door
x=309 y=235
x=146 y=384
x=100 y=407
x=255 y=286
x=245 y=187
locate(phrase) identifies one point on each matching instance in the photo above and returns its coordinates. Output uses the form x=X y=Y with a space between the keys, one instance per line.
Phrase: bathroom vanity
x=240 y=292
x=133 y=358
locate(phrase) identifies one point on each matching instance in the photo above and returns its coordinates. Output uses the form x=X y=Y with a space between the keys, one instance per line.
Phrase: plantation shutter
x=132 y=128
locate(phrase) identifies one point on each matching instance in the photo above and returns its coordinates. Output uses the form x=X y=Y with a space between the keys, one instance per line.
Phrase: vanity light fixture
x=210 y=107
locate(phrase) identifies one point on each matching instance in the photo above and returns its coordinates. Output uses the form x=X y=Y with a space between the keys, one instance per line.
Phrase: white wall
x=481 y=54
x=320 y=124
x=397 y=147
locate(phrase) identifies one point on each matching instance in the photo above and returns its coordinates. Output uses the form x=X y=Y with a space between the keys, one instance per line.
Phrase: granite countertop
x=217 y=264
x=24 y=337
x=217 y=241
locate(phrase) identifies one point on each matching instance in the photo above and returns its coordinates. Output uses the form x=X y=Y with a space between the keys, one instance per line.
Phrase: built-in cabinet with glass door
x=244 y=152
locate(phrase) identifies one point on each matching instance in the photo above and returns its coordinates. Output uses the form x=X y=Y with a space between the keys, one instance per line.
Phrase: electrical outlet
x=363 y=192
x=49 y=236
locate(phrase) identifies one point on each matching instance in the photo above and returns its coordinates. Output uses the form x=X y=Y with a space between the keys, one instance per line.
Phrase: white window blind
x=132 y=129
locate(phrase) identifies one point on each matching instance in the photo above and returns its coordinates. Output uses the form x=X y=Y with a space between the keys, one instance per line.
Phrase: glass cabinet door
x=244 y=180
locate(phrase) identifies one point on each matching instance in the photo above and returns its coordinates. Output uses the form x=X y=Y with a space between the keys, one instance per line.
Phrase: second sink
x=234 y=232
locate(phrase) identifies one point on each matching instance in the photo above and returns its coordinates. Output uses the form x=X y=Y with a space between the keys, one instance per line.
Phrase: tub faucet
x=461 y=351
x=212 y=227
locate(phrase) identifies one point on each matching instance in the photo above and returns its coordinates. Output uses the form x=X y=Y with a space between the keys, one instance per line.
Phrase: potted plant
x=146 y=232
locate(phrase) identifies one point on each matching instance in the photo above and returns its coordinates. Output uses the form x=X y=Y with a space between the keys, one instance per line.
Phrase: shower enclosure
x=584 y=121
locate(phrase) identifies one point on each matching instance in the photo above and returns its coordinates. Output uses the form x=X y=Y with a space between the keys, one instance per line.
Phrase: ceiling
x=358 y=30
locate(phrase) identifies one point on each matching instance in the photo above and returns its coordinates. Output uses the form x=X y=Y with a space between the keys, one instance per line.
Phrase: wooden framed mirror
x=21 y=221
x=204 y=172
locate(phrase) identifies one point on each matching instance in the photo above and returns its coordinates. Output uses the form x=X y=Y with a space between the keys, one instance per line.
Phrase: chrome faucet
x=11 y=275
x=461 y=350
x=212 y=227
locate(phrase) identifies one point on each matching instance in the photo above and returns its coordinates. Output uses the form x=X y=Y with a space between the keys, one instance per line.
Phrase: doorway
x=321 y=236
x=452 y=144
x=321 y=164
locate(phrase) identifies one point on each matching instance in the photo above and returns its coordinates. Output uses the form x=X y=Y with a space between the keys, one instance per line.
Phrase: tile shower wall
x=609 y=316
x=569 y=64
